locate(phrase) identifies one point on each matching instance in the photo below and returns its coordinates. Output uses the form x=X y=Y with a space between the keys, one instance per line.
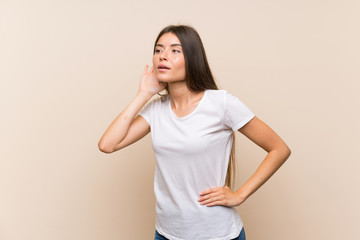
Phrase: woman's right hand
x=149 y=84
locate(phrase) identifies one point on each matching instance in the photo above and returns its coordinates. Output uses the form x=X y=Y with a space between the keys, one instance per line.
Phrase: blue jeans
x=158 y=236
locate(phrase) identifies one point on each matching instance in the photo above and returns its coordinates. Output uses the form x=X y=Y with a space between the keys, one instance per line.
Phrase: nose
x=163 y=56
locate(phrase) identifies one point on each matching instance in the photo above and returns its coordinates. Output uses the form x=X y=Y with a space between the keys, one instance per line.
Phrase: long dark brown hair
x=198 y=73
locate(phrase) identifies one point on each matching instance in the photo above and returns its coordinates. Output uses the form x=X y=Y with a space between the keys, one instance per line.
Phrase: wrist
x=241 y=196
x=145 y=95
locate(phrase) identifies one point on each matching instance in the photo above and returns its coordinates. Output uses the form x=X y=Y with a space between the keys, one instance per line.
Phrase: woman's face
x=168 y=59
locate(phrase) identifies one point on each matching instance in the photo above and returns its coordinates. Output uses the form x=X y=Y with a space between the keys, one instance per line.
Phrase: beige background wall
x=67 y=69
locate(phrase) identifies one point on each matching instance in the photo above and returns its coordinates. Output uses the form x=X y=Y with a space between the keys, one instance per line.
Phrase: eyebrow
x=172 y=45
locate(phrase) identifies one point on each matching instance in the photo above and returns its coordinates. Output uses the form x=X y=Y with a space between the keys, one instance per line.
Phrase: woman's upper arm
x=263 y=136
x=138 y=129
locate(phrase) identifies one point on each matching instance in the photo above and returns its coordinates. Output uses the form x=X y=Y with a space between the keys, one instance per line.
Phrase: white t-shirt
x=192 y=155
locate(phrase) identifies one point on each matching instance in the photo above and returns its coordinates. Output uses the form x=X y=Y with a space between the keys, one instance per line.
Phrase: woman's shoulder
x=221 y=96
x=216 y=97
x=221 y=93
x=216 y=93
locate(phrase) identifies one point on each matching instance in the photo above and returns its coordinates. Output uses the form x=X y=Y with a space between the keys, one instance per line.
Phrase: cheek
x=180 y=64
x=154 y=63
x=183 y=68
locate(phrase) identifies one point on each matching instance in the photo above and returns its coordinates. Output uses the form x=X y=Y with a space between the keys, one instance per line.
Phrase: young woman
x=192 y=129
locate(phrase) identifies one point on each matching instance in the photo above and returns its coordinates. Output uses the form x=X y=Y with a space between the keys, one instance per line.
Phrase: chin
x=167 y=79
x=163 y=79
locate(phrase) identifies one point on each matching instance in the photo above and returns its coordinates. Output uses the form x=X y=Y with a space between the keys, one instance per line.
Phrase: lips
x=162 y=67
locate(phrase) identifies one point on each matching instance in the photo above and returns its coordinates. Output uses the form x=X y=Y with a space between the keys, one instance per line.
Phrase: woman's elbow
x=287 y=152
x=105 y=148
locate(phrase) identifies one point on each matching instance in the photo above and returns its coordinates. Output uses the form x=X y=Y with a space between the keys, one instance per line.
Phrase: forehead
x=168 y=39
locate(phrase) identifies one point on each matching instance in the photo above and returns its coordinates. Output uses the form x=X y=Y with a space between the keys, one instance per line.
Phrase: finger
x=212 y=200
x=152 y=69
x=208 y=196
x=210 y=190
x=146 y=69
x=216 y=203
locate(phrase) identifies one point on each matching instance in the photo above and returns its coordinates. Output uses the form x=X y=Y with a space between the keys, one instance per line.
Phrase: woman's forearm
x=118 y=129
x=272 y=162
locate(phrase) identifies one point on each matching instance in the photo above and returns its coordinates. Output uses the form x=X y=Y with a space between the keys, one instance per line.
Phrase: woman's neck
x=181 y=96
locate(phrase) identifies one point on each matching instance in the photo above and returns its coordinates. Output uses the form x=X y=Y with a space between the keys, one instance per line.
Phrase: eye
x=176 y=51
x=157 y=50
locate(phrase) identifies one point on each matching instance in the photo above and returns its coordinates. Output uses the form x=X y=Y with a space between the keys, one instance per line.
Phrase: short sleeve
x=236 y=113
x=146 y=111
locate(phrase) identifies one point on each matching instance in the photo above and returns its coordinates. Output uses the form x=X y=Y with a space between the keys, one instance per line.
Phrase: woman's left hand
x=222 y=196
